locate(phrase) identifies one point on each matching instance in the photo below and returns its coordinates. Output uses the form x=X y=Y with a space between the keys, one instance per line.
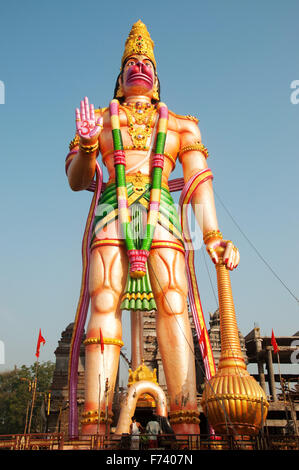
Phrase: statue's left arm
x=193 y=157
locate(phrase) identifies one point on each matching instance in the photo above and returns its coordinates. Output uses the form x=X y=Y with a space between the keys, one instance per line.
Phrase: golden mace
x=233 y=401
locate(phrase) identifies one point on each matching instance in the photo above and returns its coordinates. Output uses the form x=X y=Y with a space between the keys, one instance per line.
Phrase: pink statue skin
x=109 y=265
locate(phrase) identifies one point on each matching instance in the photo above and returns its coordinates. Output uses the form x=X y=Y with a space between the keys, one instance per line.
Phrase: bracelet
x=185 y=420
x=197 y=146
x=115 y=342
x=89 y=148
x=92 y=417
x=74 y=142
x=212 y=234
x=184 y=416
x=95 y=413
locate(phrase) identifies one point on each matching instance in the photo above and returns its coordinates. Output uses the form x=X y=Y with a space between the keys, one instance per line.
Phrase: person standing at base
x=153 y=429
x=135 y=430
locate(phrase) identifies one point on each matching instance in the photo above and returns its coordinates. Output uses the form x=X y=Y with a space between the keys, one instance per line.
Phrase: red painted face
x=139 y=74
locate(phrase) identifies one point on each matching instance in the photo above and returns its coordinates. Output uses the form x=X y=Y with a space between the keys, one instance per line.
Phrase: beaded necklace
x=138 y=257
x=140 y=118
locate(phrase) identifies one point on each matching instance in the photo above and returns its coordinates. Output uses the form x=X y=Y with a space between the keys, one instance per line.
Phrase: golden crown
x=139 y=42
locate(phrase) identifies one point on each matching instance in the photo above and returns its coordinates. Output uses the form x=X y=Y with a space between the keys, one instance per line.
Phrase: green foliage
x=16 y=390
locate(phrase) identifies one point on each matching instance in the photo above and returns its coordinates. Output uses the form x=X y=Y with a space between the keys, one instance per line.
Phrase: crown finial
x=139 y=42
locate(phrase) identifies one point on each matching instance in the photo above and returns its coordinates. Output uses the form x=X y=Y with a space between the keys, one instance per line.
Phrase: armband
x=197 y=146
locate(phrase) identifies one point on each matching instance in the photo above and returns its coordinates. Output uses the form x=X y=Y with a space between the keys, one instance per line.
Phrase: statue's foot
x=185 y=428
x=92 y=429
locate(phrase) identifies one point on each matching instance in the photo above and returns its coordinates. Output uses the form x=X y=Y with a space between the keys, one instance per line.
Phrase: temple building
x=281 y=388
x=59 y=410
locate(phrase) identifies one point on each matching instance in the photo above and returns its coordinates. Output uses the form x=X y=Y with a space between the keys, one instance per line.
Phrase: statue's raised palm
x=88 y=127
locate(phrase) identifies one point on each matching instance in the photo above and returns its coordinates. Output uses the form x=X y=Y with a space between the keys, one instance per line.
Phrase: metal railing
x=192 y=442
x=32 y=441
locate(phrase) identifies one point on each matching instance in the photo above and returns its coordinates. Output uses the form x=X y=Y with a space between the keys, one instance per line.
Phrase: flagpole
x=33 y=396
x=106 y=381
x=276 y=351
x=101 y=366
x=106 y=391
x=278 y=361
x=26 y=419
x=39 y=341
x=282 y=387
x=49 y=403
x=106 y=403
x=99 y=404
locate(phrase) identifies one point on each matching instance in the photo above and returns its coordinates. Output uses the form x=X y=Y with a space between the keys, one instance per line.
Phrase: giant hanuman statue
x=137 y=253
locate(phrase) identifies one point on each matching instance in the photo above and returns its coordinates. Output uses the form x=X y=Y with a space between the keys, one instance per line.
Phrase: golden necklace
x=140 y=119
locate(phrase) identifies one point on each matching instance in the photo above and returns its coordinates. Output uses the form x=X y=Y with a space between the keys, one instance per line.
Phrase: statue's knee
x=104 y=301
x=174 y=302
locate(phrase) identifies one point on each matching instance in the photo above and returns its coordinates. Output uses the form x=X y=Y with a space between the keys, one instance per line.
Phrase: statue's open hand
x=227 y=250
x=88 y=127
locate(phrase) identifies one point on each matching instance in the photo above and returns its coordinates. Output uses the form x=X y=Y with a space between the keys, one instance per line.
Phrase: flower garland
x=138 y=257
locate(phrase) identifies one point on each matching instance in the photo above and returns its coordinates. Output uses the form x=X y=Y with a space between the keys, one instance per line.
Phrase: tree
x=16 y=397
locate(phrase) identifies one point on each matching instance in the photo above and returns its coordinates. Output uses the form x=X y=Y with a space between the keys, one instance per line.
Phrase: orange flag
x=101 y=341
x=273 y=342
x=202 y=342
x=40 y=340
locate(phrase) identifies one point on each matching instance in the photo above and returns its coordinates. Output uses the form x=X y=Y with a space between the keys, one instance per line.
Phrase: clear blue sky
x=230 y=63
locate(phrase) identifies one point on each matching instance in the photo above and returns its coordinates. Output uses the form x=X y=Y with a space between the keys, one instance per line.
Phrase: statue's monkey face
x=138 y=77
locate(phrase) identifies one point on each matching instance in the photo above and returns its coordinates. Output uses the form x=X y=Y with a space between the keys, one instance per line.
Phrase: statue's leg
x=108 y=272
x=169 y=283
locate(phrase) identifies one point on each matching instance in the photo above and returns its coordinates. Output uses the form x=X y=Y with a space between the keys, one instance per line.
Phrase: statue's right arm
x=81 y=170
x=81 y=160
